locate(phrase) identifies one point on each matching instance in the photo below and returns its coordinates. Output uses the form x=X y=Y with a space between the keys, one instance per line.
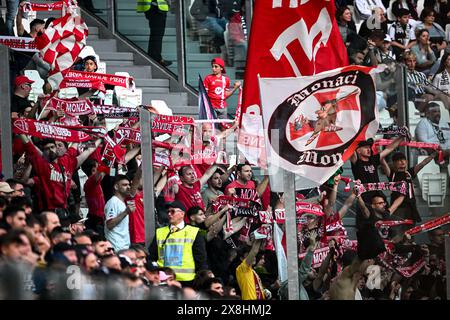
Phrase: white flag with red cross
x=313 y=124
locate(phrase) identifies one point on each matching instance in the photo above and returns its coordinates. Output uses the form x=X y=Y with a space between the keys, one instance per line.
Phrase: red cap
x=220 y=62
x=21 y=80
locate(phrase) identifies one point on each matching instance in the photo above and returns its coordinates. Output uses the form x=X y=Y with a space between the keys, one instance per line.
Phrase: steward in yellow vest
x=179 y=246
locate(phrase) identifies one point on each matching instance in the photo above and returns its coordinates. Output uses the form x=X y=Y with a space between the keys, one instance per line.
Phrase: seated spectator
x=441 y=79
x=377 y=21
x=435 y=31
x=425 y=56
x=409 y=5
x=431 y=129
x=364 y=8
x=442 y=8
x=6 y=191
x=419 y=90
x=401 y=33
x=345 y=23
x=238 y=33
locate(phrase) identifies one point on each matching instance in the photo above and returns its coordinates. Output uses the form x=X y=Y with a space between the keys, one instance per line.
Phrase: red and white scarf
x=43 y=130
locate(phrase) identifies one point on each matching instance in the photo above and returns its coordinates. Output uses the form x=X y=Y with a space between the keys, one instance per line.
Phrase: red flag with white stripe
x=288 y=38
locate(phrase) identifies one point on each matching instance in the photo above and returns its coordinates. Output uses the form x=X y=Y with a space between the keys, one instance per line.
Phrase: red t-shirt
x=216 y=89
x=52 y=190
x=136 y=220
x=94 y=197
x=247 y=191
x=190 y=197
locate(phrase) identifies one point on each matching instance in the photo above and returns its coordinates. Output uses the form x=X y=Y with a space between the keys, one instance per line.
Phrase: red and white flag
x=313 y=123
x=61 y=44
x=288 y=38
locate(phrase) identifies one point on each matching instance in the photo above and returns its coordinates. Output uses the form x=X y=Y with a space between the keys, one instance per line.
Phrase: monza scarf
x=430 y=225
x=19 y=43
x=412 y=144
x=43 y=130
x=397 y=186
x=71 y=107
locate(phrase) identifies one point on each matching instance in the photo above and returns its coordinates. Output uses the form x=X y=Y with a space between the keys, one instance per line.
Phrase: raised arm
x=253 y=251
x=136 y=181
x=424 y=162
x=390 y=147
x=347 y=205
x=86 y=153
x=328 y=210
x=263 y=185
x=363 y=208
x=208 y=174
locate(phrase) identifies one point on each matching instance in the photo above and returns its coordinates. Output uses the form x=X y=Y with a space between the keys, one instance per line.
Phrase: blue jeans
x=11 y=13
x=215 y=25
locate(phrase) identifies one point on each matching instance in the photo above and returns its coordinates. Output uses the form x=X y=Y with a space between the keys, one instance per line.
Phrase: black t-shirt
x=370 y=243
x=409 y=203
x=367 y=171
x=19 y=104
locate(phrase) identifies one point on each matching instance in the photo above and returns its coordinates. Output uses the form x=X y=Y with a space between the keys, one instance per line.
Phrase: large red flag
x=288 y=38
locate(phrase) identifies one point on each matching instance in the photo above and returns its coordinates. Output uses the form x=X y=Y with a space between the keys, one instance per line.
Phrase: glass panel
x=137 y=26
x=215 y=31
x=95 y=7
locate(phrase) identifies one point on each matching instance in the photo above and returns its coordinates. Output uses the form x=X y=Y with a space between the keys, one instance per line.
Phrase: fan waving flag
x=61 y=43
x=313 y=124
x=288 y=38
x=205 y=109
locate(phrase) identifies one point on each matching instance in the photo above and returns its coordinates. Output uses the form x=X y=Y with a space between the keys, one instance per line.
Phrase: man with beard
x=53 y=173
x=213 y=191
x=370 y=243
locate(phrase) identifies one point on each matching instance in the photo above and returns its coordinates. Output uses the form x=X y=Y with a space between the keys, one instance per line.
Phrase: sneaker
x=165 y=63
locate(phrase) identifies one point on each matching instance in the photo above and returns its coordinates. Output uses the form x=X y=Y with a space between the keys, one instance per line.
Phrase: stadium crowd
x=72 y=227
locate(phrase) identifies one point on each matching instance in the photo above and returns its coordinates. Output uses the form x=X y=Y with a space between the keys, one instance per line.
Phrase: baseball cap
x=4 y=187
x=368 y=142
x=387 y=38
x=75 y=219
x=163 y=276
x=220 y=62
x=175 y=204
x=21 y=80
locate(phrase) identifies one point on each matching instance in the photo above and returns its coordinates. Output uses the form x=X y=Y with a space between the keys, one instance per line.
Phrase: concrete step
x=191 y=111
x=140 y=83
x=149 y=90
x=172 y=99
x=117 y=56
x=103 y=45
x=134 y=71
x=144 y=30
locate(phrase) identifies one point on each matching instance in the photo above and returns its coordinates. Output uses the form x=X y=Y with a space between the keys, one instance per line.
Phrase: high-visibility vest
x=175 y=251
x=144 y=5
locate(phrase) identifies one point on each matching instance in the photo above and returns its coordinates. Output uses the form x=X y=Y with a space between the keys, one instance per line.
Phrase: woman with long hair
x=423 y=51
x=346 y=25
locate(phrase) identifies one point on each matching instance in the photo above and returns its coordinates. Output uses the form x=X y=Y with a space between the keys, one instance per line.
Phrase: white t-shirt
x=119 y=236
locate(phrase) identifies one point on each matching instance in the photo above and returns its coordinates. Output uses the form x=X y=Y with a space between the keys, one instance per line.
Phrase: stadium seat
x=67 y=93
x=161 y=107
x=385 y=118
x=414 y=117
x=36 y=87
x=433 y=183
x=126 y=97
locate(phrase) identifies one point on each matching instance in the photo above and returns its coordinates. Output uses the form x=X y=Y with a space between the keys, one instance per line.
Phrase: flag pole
x=291 y=234
x=147 y=175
